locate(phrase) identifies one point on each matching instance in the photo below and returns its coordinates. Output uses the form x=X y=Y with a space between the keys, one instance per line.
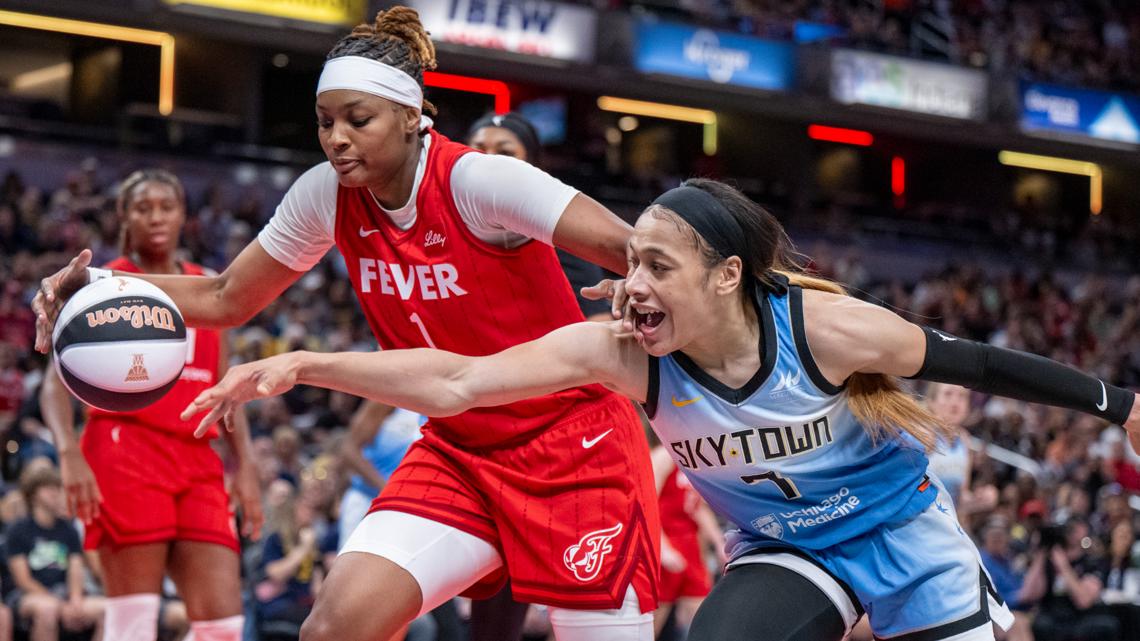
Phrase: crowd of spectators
x=1058 y=533
x=1090 y=43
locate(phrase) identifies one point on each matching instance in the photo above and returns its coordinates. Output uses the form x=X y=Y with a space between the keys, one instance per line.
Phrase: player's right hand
x=243 y=383
x=83 y=495
x=53 y=293
x=613 y=291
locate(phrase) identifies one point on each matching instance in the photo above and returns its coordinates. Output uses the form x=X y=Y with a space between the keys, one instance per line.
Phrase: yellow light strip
x=1064 y=166
x=666 y=112
x=164 y=41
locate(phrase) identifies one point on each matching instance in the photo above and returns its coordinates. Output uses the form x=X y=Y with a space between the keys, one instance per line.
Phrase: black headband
x=517 y=125
x=709 y=217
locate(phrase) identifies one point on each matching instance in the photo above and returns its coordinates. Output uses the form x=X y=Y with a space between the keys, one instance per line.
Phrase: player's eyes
x=360 y=123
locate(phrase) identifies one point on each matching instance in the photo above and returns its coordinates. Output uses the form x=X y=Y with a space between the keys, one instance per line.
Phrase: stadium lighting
x=898 y=176
x=496 y=88
x=1063 y=166
x=666 y=112
x=164 y=41
x=840 y=135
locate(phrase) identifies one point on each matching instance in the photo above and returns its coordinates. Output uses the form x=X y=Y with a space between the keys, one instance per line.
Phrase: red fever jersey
x=437 y=285
x=199 y=374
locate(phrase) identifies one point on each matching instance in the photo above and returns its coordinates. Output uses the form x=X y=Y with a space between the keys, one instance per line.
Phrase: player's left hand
x=241 y=384
x=246 y=494
x=1132 y=425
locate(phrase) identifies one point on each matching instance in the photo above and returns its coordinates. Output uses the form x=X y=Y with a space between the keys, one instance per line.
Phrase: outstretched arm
x=226 y=300
x=848 y=336
x=439 y=383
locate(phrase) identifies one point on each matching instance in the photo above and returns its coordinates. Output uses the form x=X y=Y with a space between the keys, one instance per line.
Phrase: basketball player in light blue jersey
x=378 y=437
x=775 y=394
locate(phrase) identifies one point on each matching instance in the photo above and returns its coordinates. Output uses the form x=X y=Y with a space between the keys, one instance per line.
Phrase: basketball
x=120 y=344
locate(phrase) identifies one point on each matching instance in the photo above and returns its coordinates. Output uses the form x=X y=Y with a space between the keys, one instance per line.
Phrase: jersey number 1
x=415 y=318
x=786 y=485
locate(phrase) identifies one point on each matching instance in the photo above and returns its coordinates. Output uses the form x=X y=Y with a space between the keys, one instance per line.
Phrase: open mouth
x=647 y=319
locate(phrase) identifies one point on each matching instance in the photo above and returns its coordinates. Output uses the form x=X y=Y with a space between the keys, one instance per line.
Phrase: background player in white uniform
x=778 y=404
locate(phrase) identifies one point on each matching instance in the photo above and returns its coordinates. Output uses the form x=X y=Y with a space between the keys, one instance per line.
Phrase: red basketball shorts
x=573 y=510
x=693 y=580
x=156 y=487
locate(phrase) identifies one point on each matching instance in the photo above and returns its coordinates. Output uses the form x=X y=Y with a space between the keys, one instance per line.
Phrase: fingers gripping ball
x=120 y=344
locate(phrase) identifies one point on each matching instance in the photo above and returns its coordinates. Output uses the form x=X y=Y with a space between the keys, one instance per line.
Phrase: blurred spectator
x=1122 y=584
x=292 y=563
x=999 y=561
x=46 y=561
x=1073 y=583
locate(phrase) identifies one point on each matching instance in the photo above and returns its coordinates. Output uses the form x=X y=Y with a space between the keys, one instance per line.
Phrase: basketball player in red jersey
x=687 y=524
x=440 y=246
x=152 y=496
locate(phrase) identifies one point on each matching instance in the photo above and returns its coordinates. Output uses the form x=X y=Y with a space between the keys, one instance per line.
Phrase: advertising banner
x=860 y=77
x=337 y=12
x=704 y=54
x=535 y=27
x=1080 y=112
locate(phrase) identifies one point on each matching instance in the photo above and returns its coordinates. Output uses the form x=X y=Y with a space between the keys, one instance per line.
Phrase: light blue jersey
x=951 y=464
x=783 y=457
x=399 y=430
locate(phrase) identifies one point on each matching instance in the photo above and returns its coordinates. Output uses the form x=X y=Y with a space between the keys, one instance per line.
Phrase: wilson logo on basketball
x=138 y=370
x=137 y=315
x=585 y=557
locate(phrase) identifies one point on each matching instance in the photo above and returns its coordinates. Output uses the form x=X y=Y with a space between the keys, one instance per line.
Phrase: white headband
x=374 y=77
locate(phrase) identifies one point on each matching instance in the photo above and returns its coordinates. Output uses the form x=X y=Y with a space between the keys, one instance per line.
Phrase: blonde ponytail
x=877 y=400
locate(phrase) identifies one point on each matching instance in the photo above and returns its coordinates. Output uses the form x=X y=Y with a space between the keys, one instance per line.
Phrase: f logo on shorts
x=585 y=557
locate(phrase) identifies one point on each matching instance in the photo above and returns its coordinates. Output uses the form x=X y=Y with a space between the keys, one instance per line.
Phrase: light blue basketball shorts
x=918 y=579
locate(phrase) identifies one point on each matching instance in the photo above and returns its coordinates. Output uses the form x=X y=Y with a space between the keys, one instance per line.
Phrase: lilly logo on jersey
x=437 y=281
x=585 y=557
x=434 y=238
x=155 y=316
x=769 y=443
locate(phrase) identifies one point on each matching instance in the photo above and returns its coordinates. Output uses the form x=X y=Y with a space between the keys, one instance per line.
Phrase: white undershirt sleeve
x=303 y=228
x=506 y=201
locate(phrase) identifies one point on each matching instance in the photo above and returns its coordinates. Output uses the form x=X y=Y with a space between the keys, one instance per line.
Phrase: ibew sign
x=531 y=27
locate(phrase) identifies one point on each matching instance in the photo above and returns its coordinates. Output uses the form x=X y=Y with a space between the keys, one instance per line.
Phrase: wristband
x=98 y=273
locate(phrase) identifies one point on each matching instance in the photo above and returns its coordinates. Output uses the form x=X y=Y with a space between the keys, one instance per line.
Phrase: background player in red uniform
x=688 y=525
x=440 y=247
x=153 y=496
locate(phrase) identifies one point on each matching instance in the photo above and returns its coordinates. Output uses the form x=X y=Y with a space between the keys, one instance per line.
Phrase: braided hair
x=396 y=38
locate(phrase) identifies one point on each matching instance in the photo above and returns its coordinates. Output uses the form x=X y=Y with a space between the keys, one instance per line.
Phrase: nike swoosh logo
x=1103 y=404
x=677 y=403
x=365 y=233
x=588 y=443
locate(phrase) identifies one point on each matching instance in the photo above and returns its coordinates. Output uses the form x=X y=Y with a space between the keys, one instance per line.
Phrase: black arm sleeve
x=1021 y=376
